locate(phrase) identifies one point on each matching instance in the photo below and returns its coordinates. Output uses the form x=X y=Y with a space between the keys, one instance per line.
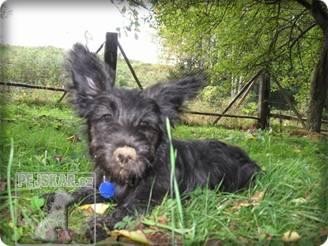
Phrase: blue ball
x=107 y=189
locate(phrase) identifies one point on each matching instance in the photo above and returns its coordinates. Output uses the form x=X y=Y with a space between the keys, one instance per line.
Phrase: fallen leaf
x=136 y=236
x=290 y=236
x=87 y=210
x=257 y=197
x=252 y=201
x=74 y=138
x=98 y=208
x=299 y=200
x=59 y=158
x=241 y=204
x=162 y=220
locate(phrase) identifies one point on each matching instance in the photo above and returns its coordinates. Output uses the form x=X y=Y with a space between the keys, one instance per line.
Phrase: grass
x=294 y=199
x=174 y=187
x=290 y=195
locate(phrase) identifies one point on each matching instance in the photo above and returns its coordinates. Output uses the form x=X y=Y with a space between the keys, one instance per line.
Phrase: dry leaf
x=162 y=220
x=98 y=208
x=253 y=201
x=241 y=204
x=59 y=158
x=135 y=236
x=298 y=201
x=290 y=236
x=257 y=197
x=74 y=138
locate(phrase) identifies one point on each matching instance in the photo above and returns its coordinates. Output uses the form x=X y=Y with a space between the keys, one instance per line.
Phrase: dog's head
x=125 y=126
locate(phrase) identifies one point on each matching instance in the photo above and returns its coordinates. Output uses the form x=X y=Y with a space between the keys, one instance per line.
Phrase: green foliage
x=37 y=202
x=237 y=38
x=39 y=66
x=148 y=74
x=250 y=108
x=211 y=92
x=127 y=222
x=45 y=66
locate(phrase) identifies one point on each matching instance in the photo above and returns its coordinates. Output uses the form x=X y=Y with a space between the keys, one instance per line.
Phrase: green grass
x=294 y=181
x=295 y=199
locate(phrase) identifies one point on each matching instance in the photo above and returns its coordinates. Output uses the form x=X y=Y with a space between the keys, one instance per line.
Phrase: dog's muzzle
x=123 y=155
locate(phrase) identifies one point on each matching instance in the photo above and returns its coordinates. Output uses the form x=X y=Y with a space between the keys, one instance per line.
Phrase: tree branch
x=219 y=20
x=318 y=10
x=305 y=4
x=292 y=42
x=139 y=3
x=271 y=1
x=302 y=34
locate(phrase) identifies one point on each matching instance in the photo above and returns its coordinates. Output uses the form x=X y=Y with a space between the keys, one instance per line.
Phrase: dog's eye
x=147 y=125
x=106 y=117
x=144 y=124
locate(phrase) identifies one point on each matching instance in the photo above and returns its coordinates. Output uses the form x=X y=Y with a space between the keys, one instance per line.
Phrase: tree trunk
x=263 y=103
x=319 y=87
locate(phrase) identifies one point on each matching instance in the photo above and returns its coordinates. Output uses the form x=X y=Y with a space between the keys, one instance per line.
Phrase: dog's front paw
x=49 y=199
x=57 y=201
x=98 y=228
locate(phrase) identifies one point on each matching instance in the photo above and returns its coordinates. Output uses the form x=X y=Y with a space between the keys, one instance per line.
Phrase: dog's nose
x=124 y=154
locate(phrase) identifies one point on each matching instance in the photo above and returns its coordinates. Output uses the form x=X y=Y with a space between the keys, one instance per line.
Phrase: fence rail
x=220 y=115
x=211 y=114
x=39 y=87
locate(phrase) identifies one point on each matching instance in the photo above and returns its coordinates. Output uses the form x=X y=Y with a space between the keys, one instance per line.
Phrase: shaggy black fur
x=128 y=142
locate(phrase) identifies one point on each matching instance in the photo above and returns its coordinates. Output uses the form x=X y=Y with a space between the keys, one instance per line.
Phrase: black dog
x=129 y=145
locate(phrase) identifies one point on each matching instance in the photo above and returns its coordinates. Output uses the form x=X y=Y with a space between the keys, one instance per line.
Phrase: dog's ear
x=90 y=77
x=171 y=96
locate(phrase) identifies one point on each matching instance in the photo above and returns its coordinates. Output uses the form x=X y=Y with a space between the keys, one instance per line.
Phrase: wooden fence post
x=110 y=55
x=263 y=103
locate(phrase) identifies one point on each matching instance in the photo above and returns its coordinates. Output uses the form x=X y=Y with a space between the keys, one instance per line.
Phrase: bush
x=45 y=66
x=39 y=66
